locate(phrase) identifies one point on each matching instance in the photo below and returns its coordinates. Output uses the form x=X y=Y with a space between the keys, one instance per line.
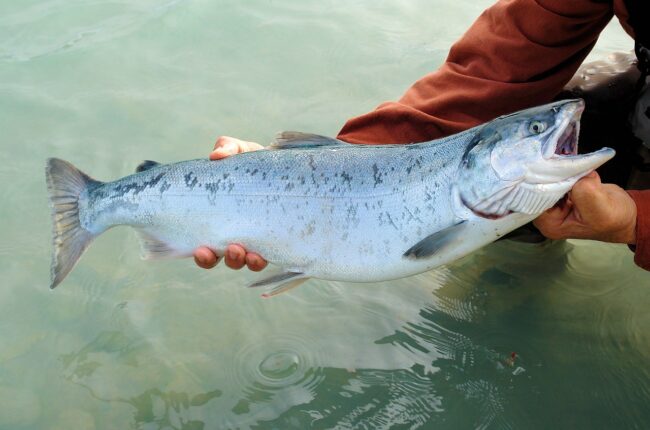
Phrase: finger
x=235 y=256
x=255 y=262
x=205 y=258
x=589 y=198
x=225 y=147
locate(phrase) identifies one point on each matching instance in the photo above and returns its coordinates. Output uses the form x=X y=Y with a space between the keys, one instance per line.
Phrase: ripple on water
x=595 y=269
x=49 y=27
x=284 y=363
x=408 y=398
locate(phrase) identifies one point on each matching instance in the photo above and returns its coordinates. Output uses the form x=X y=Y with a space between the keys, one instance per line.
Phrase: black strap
x=639 y=12
x=643 y=56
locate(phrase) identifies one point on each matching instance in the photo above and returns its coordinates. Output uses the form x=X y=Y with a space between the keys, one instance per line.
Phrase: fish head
x=525 y=162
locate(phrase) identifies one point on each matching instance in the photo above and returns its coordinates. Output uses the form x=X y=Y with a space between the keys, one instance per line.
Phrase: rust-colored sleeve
x=642 y=248
x=519 y=53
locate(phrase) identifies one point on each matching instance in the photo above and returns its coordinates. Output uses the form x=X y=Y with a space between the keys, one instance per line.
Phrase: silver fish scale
x=322 y=208
x=346 y=212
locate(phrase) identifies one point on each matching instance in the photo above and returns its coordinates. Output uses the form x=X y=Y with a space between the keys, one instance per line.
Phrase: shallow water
x=129 y=344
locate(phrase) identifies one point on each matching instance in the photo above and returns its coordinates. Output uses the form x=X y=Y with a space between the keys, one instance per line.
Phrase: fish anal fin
x=146 y=165
x=156 y=249
x=280 y=283
x=296 y=139
x=435 y=242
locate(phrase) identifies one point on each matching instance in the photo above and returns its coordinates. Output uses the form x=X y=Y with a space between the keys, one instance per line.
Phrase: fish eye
x=537 y=127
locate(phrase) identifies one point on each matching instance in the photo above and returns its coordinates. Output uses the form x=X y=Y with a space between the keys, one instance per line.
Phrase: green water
x=127 y=344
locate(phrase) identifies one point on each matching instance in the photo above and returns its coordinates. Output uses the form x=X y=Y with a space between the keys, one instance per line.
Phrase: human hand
x=235 y=256
x=592 y=210
x=227 y=146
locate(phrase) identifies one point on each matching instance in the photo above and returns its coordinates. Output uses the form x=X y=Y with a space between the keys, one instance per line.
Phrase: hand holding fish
x=592 y=210
x=236 y=256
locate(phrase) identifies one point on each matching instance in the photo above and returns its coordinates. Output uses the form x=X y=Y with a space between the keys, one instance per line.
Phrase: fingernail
x=232 y=255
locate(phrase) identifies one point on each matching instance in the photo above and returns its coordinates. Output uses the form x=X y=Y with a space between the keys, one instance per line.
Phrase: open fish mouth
x=564 y=142
x=567 y=144
x=562 y=163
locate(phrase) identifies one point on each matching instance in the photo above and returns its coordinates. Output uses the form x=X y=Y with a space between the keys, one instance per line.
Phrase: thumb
x=589 y=197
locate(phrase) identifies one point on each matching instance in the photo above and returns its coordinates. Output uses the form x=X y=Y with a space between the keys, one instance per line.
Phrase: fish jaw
x=560 y=163
x=568 y=169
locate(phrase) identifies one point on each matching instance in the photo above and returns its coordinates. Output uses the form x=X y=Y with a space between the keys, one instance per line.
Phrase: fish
x=318 y=207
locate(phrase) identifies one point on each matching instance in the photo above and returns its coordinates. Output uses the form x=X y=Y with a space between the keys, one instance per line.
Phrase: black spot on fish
x=376 y=175
x=191 y=180
x=165 y=186
x=225 y=175
x=390 y=220
x=212 y=187
x=137 y=187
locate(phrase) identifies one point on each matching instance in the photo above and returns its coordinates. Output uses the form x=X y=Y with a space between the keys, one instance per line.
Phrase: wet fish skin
x=319 y=207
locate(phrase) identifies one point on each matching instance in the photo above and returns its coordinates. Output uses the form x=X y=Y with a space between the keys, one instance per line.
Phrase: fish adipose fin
x=296 y=139
x=146 y=165
x=155 y=249
x=65 y=186
x=280 y=283
x=433 y=243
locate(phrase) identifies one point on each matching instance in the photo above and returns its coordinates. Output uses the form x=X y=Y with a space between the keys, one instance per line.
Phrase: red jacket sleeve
x=519 y=53
x=642 y=249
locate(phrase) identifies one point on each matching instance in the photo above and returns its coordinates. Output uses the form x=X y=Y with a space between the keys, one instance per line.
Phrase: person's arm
x=642 y=246
x=518 y=53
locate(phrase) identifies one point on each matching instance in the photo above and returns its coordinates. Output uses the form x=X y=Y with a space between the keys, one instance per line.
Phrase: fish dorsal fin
x=433 y=243
x=146 y=165
x=296 y=139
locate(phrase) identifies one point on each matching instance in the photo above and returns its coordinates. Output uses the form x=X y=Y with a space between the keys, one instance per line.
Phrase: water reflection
x=154 y=408
x=494 y=341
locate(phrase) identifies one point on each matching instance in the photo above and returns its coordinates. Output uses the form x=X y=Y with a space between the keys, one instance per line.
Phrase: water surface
x=127 y=344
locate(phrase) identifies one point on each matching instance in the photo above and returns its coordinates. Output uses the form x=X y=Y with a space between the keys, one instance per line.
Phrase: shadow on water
x=162 y=409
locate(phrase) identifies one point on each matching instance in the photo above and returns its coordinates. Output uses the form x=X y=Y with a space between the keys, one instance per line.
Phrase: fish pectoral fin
x=146 y=165
x=281 y=283
x=155 y=249
x=435 y=242
x=296 y=139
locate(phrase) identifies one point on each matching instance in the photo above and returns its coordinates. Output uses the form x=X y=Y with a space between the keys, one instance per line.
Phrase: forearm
x=642 y=247
x=518 y=53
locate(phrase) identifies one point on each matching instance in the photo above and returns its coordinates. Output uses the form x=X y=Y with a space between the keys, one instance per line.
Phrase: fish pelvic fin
x=65 y=186
x=156 y=249
x=281 y=283
x=435 y=242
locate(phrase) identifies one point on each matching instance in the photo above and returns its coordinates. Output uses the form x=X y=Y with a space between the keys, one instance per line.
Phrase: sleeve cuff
x=642 y=247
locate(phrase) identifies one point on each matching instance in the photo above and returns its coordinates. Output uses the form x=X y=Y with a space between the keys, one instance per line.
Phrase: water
x=125 y=344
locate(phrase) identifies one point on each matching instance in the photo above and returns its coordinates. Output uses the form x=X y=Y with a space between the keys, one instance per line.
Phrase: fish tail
x=65 y=186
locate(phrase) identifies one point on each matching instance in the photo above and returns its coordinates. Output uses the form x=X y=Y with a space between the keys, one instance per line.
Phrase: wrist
x=628 y=232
